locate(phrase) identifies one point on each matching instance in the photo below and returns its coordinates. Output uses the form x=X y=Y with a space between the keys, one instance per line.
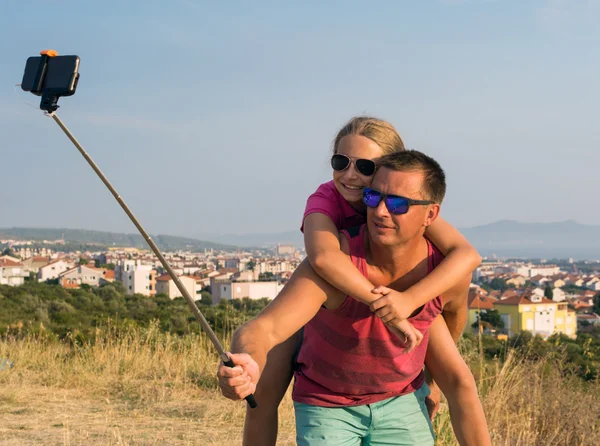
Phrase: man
x=355 y=382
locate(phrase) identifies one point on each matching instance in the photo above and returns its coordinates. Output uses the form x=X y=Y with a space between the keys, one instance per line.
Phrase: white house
x=137 y=278
x=558 y=295
x=12 y=273
x=538 y=292
x=539 y=280
x=215 y=290
x=81 y=274
x=190 y=269
x=546 y=270
x=590 y=283
x=53 y=269
x=33 y=264
x=166 y=285
x=229 y=290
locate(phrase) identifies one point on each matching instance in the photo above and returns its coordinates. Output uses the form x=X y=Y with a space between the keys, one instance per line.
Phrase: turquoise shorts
x=401 y=420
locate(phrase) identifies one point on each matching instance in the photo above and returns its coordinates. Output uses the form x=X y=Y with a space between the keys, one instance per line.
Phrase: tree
x=265 y=277
x=8 y=252
x=597 y=303
x=83 y=261
x=492 y=317
x=250 y=265
x=498 y=284
x=548 y=293
x=206 y=298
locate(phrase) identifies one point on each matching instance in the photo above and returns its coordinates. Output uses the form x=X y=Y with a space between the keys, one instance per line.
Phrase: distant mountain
x=559 y=239
x=505 y=238
x=109 y=239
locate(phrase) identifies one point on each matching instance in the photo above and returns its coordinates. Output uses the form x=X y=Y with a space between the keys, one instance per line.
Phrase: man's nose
x=381 y=210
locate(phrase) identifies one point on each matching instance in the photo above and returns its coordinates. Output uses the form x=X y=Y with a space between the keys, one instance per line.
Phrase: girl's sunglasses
x=341 y=162
x=395 y=203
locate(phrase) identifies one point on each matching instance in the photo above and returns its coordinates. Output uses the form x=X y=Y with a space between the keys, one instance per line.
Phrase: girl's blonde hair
x=379 y=131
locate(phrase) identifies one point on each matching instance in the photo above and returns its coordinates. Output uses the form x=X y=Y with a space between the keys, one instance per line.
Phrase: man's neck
x=396 y=261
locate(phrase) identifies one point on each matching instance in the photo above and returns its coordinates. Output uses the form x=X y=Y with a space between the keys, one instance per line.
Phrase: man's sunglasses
x=341 y=162
x=396 y=204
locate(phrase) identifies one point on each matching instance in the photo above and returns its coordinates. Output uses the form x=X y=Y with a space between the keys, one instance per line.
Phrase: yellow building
x=537 y=315
x=478 y=303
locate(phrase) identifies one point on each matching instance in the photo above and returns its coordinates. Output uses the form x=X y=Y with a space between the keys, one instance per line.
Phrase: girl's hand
x=407 y=333
x=392 y=306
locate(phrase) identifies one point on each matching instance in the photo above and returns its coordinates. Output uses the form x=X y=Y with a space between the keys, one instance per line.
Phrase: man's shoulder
x=435 y=253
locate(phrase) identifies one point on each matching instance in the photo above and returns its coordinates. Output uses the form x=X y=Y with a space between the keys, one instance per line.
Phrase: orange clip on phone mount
x=49 y=101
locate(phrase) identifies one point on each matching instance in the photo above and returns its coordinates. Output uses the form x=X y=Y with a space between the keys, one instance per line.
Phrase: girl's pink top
x=327 y=200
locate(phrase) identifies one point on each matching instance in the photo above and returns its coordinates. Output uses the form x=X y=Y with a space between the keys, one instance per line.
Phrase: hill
x=108 y=239
x=550 y=240
x=506 y=238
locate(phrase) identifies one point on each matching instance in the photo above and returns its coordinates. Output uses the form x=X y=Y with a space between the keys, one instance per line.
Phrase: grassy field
x=144 y=387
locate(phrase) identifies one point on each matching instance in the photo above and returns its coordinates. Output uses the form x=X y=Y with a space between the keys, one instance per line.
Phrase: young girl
x=337 y=205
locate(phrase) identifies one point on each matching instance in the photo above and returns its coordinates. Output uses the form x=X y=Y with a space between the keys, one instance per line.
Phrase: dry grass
x=145 y=387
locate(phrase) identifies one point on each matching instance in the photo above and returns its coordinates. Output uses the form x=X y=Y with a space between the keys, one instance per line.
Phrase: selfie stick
x=192 y=304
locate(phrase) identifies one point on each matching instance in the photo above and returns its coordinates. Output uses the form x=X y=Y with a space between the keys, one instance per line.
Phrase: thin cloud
x=560 y=15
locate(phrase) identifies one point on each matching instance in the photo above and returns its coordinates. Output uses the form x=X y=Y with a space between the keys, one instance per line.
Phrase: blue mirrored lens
x=371 y=198
x=397 y=205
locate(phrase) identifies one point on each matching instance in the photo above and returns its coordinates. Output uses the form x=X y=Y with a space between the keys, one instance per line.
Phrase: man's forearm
x=252 y=339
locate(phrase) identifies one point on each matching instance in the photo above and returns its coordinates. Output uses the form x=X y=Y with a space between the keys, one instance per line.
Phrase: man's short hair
x=434 y=178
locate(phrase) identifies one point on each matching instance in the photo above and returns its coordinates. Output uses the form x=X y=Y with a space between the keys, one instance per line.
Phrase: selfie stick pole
x=192 y=304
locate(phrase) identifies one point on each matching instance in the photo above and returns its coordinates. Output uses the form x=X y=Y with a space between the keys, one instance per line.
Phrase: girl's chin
x=350 y=195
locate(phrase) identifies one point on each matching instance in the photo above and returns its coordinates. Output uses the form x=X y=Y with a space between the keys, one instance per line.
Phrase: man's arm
x=295 y=305
x=456 y=381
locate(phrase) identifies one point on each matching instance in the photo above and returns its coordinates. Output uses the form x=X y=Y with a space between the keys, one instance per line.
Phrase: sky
x=218 y=117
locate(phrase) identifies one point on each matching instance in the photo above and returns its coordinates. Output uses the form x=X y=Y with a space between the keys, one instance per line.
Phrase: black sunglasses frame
x=384 y=197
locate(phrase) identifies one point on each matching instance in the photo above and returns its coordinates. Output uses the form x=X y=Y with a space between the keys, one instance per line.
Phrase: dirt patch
x=50 y=416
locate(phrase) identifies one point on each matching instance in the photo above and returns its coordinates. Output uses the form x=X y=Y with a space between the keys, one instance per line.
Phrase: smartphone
x=59 y=76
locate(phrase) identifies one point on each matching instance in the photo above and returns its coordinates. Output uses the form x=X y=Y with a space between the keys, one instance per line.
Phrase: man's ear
x=433 y=211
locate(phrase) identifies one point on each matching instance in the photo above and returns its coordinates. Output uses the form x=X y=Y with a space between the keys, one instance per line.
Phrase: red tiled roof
x=6 y=262
x=508 y=293
x=167 y=277
x=228 y=270
x=522 y=300
x=39 y=259
x=481 y=302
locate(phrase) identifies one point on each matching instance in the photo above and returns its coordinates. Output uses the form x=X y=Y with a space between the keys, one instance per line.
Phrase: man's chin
x=381 y=239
